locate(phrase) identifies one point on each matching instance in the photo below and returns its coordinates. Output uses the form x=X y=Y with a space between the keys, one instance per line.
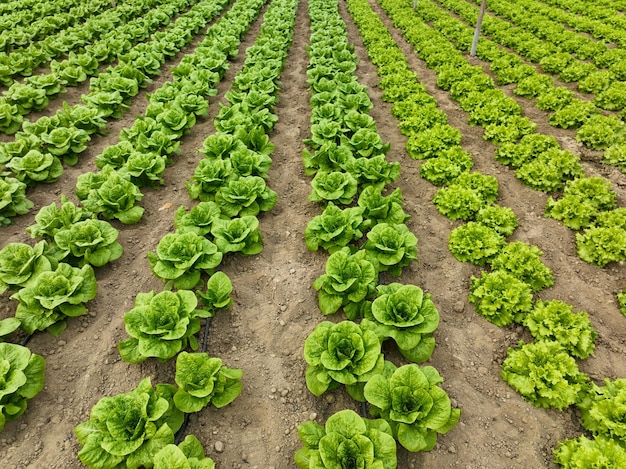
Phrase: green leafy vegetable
x=522 y=261
x=20 y=264
x=347 y=440
x=544 y=374
x=189 y=454
x=602 y=409
x=342 y=353
x=90 y=241
x=413 y=404
x=54 y=296
x=21 y=379
x=581 y=453
x=334 y=228
x=476 y=243
x=203 y=380
x=238 y=235
x=392 y=246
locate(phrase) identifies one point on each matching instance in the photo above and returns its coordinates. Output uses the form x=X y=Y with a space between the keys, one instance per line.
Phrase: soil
x=275 y=306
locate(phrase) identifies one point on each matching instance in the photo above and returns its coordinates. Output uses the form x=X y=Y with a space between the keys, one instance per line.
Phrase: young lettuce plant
x=392 y=246
x=189 y=454
x=20 y=264
x=52 y=218
x=501 y=219
x=500 y=297
x=582 y=452
x=54 y=296
x=239 y=234
x=128 y=430
x=343 y=353
x=198 y=220
x=161 y=325
x=601 y=245
x=404 y=314
x=91 y=241
x=413 y=404
x=246 y=195
x=203 y=380
x=217 y=296
x=35 y=167
x=336 y=186
x=13 y=200
x=181 y=258
x=476 y=243
x=347 y=440
x=522 y=261
x=350 y=279
x=544 y=374
x=446 y=167
x=378 y=208
x=334 y=228
x=602 y=410
x=556 y=321
x=21 y=379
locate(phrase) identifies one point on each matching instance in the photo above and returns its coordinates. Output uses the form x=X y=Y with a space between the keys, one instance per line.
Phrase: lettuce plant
x=556 y=321
x=500 y=297
x=336 y=186
x=458 y=202
x=581 y=453
x=476 y=243
x=544 y=374
x=217 y=295
x=35 y=167
x=10 y=118
x=347 y=440
x=203 y=380
x=600 y=132
x=66 y=143
x=328 y=157
x=91 y=241
x=8 y=326
x=208 y=177
x=246 y=195
x=21 y=379
x=128 y=430
x=602 y=410
x=527 y=149
x=378 y=208
x=334 y=228
x=413 y=404
x=373 y=171
x=182 y=257
x=189 y=454
x=161 y=325
x=393 y=246
x=601 y=245
x=199 y=219
x=522 y=261
x=54 y=296
x=501 y=219
x=20 y=264
x=145 y=168
x=343 y=353
x=52 y=218
x=432 y=141
x=110 y=193
x=550 y=170
x=447 y=166
x=239 y=234
x=406 y=315
x=349 y=280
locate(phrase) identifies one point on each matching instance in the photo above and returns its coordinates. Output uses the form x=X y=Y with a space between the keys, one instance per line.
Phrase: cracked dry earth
x=275 y=306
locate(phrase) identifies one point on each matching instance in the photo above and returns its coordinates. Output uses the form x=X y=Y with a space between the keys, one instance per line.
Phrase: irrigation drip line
x=26 y=340
x=364 y=410
x=205 y=344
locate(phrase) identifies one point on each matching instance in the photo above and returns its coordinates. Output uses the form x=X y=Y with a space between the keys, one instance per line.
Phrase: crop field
x=272 y=234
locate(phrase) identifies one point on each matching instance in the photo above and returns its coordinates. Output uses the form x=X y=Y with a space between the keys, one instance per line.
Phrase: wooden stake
x=479 y=23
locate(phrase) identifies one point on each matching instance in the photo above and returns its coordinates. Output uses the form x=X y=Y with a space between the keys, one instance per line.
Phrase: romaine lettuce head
x=347 y=440
x=53 y=296
x=21 y=379
x=411 y=401
x=182 y=257
x=128 y=429
x=160 y=325
x=404 y=313
x=189 y=454
x=20 y=264
x=342 y=353
x=393 y=247
x=238 y=235
x=203 y=380
x=91 y=241
x=334 y=228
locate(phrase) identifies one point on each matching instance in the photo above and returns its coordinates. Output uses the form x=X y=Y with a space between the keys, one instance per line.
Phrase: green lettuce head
x=21 y=379
x=128 y=430
x=203 y=380
x=393 y=247
x=182 y=257
x=405 y=314
x=346 y=441
x=90 y=241
x=161 y=325
x=54 y=296
x=413 y=404
x=189 y=454
x=342 y=353
x=20 y=264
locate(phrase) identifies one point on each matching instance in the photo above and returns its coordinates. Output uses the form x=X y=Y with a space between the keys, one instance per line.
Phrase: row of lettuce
x=587 y=204
x=365 y=234
x=37 y=153
x=162 y=325
x=544 y=372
